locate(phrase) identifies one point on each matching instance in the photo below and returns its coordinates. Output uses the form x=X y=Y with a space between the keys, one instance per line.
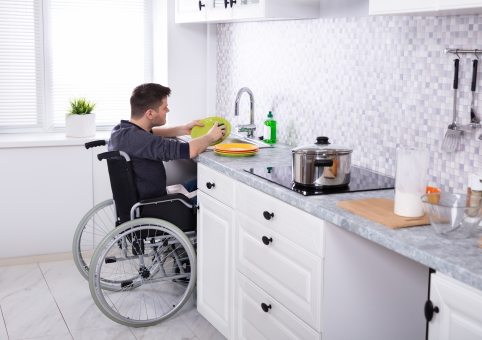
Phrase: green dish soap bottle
x=269 y=133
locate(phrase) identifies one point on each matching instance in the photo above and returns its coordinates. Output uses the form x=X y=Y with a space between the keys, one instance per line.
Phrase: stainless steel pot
x=321 y=164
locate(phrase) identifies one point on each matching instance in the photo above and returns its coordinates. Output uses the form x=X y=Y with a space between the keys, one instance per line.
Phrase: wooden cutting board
x=381 y=210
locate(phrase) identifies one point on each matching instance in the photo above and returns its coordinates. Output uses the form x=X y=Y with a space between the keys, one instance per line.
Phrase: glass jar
x=410 y=181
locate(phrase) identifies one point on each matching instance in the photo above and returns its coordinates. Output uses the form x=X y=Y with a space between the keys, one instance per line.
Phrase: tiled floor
x=51 y=301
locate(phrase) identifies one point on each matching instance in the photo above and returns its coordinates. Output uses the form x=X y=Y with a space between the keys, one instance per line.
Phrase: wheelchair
x=138 y=256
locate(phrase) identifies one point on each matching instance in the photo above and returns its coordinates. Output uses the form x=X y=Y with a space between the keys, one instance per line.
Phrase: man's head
x=150 y=100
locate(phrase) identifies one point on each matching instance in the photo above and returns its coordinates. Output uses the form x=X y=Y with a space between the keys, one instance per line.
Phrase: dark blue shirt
x=147 y=152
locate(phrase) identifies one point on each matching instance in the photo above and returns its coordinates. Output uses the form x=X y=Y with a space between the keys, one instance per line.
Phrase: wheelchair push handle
x=95 y=143
x=108 y=154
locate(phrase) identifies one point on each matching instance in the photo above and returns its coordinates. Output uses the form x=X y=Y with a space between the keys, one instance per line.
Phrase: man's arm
x=174 y=131
x=198 y=145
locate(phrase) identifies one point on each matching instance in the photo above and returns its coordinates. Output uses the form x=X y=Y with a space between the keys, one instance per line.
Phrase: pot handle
x=324 y=162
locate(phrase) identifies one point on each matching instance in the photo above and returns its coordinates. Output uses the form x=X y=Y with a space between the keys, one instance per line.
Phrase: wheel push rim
x=148 y=282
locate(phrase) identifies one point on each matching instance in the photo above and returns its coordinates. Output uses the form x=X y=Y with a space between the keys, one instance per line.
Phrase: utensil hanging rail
x=447 y=50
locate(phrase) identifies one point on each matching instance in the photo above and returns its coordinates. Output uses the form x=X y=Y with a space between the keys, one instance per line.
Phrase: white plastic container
x=410 y=181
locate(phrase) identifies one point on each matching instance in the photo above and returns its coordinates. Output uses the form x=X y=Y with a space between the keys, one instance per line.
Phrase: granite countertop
x=460 y=259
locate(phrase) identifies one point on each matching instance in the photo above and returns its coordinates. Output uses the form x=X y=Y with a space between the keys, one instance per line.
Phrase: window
x=53 y=50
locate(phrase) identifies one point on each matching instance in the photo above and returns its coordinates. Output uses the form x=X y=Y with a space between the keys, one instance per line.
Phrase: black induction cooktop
x=361 y=180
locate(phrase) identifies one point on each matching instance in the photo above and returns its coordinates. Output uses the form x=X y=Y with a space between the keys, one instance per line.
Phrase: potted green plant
x=80 y=120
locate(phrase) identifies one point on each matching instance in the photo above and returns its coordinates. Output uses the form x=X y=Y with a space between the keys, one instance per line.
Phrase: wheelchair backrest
x=123 y=187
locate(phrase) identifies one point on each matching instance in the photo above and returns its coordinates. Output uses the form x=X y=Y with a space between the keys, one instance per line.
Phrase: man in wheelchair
x=138 y=249
x=143 y=138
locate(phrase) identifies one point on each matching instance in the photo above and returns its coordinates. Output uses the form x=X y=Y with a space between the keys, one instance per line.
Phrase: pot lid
x=323 y=146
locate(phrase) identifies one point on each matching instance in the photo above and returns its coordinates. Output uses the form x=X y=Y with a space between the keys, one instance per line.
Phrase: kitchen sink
x=235 y=138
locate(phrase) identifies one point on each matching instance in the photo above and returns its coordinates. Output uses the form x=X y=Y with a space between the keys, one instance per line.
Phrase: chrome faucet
x=249 y=128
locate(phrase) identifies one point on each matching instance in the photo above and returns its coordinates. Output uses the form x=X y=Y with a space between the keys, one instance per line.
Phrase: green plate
x=236 y=154
x=199 y=131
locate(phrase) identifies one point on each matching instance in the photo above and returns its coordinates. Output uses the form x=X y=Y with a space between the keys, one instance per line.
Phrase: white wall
x=187 y=70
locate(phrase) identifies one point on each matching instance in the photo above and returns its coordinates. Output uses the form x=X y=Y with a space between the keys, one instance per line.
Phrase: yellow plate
x=236 y=154
x=244 y=151
x=199 y=131
x=236 y=147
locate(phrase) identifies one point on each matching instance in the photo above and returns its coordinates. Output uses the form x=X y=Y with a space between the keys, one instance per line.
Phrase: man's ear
x=149 y=114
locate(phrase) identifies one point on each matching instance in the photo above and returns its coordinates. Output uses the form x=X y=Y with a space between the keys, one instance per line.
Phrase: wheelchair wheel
x=143 y=272
x=93 y=227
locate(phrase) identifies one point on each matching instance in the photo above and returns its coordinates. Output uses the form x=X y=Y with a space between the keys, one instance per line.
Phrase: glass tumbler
x=410 y=181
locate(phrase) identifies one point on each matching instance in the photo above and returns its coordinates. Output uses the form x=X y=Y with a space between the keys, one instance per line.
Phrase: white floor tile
x=54 y=337
x=3 y=330
x=197 y=323
x=62 y=276
x=28 y=307
x=72 y=294
x=111 y=333
x=171 y=329
x=80 y=311
x=19 y=278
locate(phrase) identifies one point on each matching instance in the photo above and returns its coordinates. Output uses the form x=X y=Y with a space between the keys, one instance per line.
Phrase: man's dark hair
x=147 y=96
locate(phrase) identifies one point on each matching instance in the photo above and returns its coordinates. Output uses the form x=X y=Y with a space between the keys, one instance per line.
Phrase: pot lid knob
x=322 y=140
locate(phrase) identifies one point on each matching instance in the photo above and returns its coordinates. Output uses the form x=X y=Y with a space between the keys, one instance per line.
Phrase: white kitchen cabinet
x=460 y=6
x=399 y=7
x=274 y=322
x=45 y=192
x=425 y=7
x=245 y=10
x=191 y=11
x=459 y=310
x=215 y=268
x=219 y=10
x=285 y=271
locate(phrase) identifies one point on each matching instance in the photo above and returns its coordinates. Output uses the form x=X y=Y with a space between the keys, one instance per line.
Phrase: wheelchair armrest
x=166 y=198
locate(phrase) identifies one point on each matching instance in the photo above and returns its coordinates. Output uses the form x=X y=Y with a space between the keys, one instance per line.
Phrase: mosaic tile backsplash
x=371 y=83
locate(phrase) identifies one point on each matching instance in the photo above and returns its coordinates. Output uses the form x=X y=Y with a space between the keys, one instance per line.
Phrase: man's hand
x=186 y=128
x=217 y=132
x=198 y=145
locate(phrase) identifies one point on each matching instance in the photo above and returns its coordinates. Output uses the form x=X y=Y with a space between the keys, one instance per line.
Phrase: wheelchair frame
x=118 y=240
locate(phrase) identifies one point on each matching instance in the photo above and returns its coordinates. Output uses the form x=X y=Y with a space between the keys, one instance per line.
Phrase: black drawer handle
x=429 y=310
x=267 y=215
x=201 y=5
x=267 y=240
x=265 y=307
x=210 y=185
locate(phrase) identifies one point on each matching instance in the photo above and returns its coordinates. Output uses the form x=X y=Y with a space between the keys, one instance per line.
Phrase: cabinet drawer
x=294 y=224
x=285 y=271
x=251 y=322
x=216 y=185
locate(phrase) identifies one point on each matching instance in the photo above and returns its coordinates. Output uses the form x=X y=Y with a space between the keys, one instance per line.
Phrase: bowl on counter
x=453 y=216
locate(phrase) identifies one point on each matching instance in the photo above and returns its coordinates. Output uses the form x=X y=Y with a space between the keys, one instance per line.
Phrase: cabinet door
x=247 y=9
x=215 y=223
x=189 y=11
x=398 y=7
x=459 y=4
x=220 y=10
x=459 y=307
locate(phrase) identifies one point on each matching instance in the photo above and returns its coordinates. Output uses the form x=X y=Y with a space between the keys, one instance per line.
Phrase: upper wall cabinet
x=190 y=11
x=245 y=10
x=425 y=7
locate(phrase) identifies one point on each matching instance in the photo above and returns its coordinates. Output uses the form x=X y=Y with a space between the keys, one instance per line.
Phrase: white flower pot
x=80 y=125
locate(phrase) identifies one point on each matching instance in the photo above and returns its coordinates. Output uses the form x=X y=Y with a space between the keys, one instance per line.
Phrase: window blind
x=100 y=50
x=21 y=64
